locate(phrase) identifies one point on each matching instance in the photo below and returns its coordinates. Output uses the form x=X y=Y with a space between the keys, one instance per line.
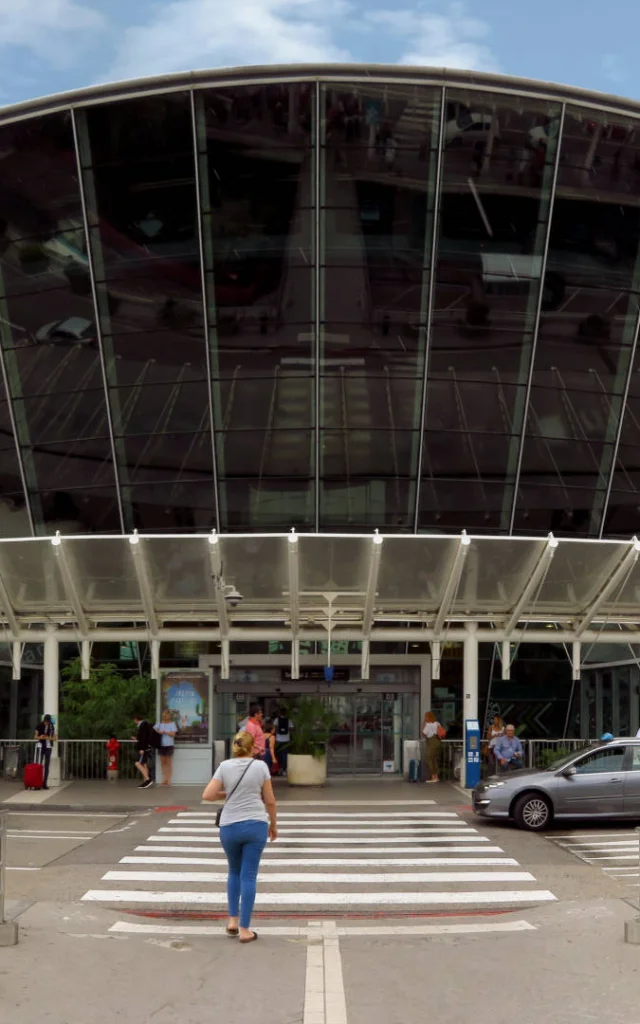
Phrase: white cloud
x=51 y=29
x=453 y=39
x=187 y=34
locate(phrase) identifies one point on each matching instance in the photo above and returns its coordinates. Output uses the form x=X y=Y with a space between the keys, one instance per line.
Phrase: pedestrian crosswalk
x=616 y=853
x=336 y=862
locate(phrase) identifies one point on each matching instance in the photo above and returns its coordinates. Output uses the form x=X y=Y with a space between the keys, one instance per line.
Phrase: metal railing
x=79 y=759
x=86 y=760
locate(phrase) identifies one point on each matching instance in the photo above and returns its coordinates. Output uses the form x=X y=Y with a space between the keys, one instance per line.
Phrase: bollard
x=8 y=929
x=632 y=928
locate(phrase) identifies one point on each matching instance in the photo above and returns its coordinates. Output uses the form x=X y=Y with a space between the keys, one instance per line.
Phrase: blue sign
x=472 y=738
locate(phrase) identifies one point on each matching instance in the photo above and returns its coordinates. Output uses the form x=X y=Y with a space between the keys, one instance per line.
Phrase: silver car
x=598 y=781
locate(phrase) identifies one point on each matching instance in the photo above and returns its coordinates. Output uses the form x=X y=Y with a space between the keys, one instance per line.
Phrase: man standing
x=284 y=725
x=254 y=726
x=508 y=751
x=45 y=734
x=144 y=740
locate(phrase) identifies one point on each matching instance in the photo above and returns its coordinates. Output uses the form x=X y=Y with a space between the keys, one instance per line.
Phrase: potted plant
x=313 y=724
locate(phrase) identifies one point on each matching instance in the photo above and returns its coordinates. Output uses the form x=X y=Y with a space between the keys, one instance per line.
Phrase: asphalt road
x=126 y=911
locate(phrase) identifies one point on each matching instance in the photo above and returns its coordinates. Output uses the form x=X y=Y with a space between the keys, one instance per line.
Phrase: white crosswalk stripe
x=334 y=860
x=616 y=853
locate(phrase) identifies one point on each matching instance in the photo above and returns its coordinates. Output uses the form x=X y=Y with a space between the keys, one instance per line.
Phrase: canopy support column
x=469 y=682
x=51 y=696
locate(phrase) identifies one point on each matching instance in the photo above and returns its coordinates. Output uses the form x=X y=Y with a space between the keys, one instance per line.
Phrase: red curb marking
x=161 y=810
x=265 y=915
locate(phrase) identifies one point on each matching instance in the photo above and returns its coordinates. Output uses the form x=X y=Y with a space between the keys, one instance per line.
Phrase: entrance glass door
x=368 y=732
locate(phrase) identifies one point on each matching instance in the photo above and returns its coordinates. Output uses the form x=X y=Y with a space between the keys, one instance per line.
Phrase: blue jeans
x=243 y=843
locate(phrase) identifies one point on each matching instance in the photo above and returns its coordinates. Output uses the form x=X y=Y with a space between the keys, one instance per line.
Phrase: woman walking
x=167 y=729
x=432 y=732
x=247 y=818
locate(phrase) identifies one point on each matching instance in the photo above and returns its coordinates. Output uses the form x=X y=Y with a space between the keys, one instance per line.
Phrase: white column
x=51 y=697
x=425 y=688
x=634 y=683
x=469 y=682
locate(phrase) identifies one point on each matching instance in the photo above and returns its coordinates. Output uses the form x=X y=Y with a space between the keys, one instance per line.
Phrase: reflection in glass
x=498 y=163
x=255 y=159
x=378 y=171
x=586 y=335
x=139 y=180
x=48 y=330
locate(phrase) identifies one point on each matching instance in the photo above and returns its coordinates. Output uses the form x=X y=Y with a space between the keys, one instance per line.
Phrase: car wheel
x=533 y=812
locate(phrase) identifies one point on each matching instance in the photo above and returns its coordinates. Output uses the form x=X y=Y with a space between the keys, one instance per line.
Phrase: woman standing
x=247 y=819
x=167 y=729
x=494 y=732
x=432 y=731
x=270 y=756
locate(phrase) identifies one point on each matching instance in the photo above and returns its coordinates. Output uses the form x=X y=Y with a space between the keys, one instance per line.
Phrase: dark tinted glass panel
x=139 y=175
x=255 y=155
x=590 y=307
x=47 y=315
x=497 y=173
x=270 y=502
x=378 y=174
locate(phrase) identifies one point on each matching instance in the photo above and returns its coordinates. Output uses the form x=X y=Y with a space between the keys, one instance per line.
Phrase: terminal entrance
x=370 y=724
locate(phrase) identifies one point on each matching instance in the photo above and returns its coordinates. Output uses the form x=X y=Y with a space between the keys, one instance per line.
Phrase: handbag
x=441 y=732
x=229 y=795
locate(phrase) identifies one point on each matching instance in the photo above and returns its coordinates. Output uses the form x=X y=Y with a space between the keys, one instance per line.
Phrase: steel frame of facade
x=338 y=75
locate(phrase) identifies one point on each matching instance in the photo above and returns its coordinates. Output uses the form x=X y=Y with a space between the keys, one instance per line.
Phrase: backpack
x=282 y=726
x=156 y=740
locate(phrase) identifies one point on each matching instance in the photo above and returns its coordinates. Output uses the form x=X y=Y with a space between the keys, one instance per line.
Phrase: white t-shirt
x=168 y=731
x=246 y=803
x=430 y=729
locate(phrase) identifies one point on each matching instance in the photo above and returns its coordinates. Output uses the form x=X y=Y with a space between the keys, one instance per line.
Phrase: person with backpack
x=283 y=725
x=147 y=741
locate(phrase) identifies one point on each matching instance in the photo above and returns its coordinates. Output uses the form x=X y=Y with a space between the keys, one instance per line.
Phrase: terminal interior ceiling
x=388 y=301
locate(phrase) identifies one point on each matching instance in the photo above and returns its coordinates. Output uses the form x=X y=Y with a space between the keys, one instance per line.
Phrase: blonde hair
x=242 y=744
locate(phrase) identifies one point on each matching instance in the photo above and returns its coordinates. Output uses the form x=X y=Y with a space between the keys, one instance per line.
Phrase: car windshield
x=568 y=758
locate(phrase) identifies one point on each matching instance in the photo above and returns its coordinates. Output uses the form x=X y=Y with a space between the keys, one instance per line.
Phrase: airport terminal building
x=393 y=310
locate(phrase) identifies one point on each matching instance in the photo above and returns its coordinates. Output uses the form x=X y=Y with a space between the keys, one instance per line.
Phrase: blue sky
x=51 y=46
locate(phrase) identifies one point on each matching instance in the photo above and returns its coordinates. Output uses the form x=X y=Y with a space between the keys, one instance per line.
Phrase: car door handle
x=615 y=782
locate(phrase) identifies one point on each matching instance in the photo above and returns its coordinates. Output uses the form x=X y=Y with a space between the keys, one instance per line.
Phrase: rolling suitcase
x=415 y=770
x=34 y=773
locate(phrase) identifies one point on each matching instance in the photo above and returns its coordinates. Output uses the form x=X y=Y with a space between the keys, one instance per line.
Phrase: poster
x=185 y=695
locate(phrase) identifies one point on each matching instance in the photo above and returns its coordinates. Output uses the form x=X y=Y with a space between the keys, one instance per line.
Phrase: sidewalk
x=124 y=797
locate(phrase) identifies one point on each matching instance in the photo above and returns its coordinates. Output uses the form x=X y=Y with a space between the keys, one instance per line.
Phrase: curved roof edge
x=328 y=72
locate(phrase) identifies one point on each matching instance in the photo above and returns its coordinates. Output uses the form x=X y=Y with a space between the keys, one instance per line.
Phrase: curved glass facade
x=337 y=306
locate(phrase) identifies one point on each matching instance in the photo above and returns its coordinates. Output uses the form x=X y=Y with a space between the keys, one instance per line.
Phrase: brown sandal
x=232 y=932
x=254 y=938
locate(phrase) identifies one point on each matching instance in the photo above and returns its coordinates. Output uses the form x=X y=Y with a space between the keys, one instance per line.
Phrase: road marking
x=21 y=869
x=347 y=817
x=352 y=841
x=83 y=833
x=591 y=835
x=415 y=830
x=55 y=835
x=67 y=814
x=325 y=899
x=272 y=850
x=344 y=931
x=602 y=845
x=326 y=878
x=361 y=862
x=355 y=803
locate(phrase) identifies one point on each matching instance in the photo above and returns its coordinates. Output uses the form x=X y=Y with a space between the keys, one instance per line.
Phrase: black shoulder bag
x=229 y=795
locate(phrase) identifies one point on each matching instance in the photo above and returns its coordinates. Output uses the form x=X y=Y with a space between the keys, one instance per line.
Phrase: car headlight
x=494 y=785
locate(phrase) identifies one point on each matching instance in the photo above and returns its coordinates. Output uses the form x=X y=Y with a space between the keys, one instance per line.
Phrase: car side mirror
x=569 y=772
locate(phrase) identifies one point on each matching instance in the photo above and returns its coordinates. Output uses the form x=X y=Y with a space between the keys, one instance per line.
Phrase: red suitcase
x=34 y=775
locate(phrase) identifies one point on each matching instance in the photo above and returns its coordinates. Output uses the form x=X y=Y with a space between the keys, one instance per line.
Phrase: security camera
x=232 y=596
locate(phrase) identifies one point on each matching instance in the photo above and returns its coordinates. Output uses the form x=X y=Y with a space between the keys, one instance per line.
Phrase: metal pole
x=8 y=929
